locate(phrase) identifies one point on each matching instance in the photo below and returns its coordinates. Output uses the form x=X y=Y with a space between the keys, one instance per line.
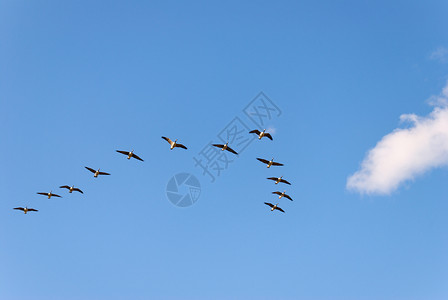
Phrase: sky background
x=81 y=79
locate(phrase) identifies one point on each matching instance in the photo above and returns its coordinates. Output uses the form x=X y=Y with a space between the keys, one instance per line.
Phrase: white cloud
x=440 y=54
x=406 y=152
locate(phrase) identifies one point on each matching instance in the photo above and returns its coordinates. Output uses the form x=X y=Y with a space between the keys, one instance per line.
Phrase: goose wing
x=45 y=194
x=90 y=169
x=181 y=146
x=19 y=208
x=276 y=164
x=55 y=195
x=64 y=187
x=255 y=131
x=279 y=209
x=272 y=178
x=263 y=160
x=167 y=139
x=32 y=209
x=103 y=173
x=288 y=197
x=285 y=181
x=278 y=193
x=78 y=190
x=218 y=145
x=122 y=152
x=268 y=135
x=231 y=150
x=136 y=157
x=269 y=204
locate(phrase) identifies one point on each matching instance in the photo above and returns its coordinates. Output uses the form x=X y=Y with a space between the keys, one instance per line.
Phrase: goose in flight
x=279 y=179
x=25 y=210
x=274 y=206
x=280 y=195
x=173 y=144
x=225 y=147
x=71 y=188
x=129 y=154
x=270 y=163
x=49 y=195
x=96 y=173
x=262 y=134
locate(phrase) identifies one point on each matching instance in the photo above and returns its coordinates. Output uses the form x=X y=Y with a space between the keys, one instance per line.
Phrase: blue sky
x=79 y=80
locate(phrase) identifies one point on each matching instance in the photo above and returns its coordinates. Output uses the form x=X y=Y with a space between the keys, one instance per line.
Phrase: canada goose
x=129 y=154
x=225 y=147
x=279 y=179
x=274 y=206
x=49 y=195
x=282 y=195
x=173 y=144
x=96 y=173
x=270 y=163
x=71 y=188
x=261 y=134
x=26 y=209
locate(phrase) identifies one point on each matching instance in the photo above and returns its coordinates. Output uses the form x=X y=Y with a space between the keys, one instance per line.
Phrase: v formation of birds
x=174 y=144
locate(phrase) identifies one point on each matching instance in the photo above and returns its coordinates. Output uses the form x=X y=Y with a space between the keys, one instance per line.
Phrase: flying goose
x=270 y=163
x=26 y=209
x=280 y=195
x=49 y=195
x=96 y=173
x=261 y=134
x=129 y=154
x=225 y=147
x=71 y=188
x=279 y=179
x=173 y=144
x=274 y=206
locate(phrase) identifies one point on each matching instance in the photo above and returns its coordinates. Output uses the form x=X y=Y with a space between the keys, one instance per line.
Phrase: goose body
x=270 y=162
x=225 y=147
x=261 y=134
x=49 y=195
x=282 y=194
x=274 y=207
x=97 y=172
x=173 y=144
x=71 y=188
x=25 y=209
x=278 y=180
x=130 y=154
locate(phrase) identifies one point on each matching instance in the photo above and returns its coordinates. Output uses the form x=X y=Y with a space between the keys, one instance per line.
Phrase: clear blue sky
x=80 y=79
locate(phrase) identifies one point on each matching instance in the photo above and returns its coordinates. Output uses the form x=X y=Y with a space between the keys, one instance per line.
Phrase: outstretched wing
x=269 y=204
x=181 y=146
x=64 y=187
x=55 y=195
x=285 y=181
x=122 y=152
x=263 y=160
x=103 y=173
x=32 y=209
x=167 y=139
x=276 y=164
x=288 y=197
x=231 y=150
x=19 y=208
x=218 y=145
x=136 y=157
x=272 y=178
x=278 y=193
x=45 y=194
x=255 y=131
x=279 y=209
x=268 y=135
x=78 y=190
x=90 y=169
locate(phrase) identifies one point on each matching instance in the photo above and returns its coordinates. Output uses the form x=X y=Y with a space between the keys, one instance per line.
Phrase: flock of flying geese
x=174 y=144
